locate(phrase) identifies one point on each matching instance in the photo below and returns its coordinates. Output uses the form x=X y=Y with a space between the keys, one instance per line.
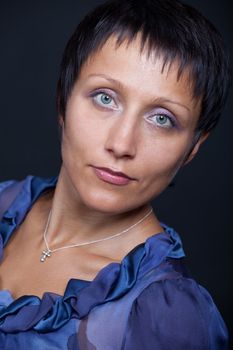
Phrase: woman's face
x=128 y=128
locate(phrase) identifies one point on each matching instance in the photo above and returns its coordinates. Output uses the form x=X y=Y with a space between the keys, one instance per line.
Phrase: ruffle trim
x=53 y=311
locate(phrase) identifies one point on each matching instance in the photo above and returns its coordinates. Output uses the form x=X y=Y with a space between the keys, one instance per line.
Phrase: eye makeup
x=104 y=98
x=162 y=118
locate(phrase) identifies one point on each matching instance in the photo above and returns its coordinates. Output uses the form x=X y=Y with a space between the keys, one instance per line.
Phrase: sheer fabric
x=148 y=301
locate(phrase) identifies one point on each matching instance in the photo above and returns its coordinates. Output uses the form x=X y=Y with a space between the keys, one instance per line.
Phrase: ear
x=195 y=149
x=60 y=121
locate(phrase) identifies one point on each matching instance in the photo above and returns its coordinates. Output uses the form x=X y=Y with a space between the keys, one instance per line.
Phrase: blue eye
x=163 y=120
x=103 y=99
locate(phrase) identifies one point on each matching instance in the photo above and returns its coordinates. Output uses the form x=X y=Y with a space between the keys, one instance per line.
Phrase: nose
x=122 y=139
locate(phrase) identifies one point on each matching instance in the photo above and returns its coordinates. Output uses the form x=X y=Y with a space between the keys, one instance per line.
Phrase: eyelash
x=95 y=94
x=171 y=119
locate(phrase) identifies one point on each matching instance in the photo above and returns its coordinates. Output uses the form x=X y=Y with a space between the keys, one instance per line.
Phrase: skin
x=118 y=116
x=124 y=135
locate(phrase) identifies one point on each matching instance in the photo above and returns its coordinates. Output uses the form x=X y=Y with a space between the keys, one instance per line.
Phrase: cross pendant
x=45 y=254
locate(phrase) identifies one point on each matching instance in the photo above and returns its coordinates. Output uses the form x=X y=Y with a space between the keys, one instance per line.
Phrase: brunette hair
x=168 y=28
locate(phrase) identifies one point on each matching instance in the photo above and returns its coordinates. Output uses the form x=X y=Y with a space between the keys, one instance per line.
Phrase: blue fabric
x=148 y=301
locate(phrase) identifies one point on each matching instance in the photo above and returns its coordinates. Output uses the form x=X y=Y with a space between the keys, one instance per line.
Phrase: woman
x=87 y=264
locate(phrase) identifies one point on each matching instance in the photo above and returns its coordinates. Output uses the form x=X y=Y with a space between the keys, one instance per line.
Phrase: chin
x=103 y=202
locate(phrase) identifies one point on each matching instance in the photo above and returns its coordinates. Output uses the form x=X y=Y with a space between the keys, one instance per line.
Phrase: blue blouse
x=146 y=302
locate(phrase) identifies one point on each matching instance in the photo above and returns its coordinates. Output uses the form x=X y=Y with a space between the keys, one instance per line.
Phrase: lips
x=112 y=177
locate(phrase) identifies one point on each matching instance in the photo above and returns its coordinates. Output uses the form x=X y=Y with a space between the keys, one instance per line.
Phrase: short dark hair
x=169 y=27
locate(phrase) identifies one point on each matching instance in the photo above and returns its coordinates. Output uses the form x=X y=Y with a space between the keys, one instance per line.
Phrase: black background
x=32 y=38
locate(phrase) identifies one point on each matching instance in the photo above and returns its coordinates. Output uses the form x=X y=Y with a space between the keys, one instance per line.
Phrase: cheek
x=163 y=159
x=80 y=134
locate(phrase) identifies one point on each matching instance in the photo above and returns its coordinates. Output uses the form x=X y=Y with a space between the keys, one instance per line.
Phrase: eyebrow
x=123 y=87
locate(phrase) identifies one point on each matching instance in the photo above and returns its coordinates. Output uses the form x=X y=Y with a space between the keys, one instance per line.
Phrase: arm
x=175 y=315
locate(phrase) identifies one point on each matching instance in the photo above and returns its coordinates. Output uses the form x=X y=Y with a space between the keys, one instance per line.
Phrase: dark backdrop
x=32 y=38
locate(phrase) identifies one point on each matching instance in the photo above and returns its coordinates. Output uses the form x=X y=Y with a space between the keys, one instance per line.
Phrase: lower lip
x=110 y=178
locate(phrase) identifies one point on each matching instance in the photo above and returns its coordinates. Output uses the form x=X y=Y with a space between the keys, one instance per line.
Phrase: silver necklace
x=48 y=252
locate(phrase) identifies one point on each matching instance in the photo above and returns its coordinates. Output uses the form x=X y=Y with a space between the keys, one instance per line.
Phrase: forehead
x=140 y=69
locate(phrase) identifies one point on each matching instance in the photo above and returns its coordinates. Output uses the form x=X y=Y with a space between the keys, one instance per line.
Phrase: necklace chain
x=47 y=252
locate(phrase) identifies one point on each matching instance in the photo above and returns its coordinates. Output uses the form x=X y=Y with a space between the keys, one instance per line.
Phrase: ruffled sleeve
x=8 y=192
x=175 y=315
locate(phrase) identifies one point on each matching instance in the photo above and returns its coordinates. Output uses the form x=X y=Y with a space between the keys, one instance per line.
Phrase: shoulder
x=176 y=314
x=6 y=184
x=14 y=193
x=8 y=192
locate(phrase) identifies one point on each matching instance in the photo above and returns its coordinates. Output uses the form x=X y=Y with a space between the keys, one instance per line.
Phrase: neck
x=74 y=222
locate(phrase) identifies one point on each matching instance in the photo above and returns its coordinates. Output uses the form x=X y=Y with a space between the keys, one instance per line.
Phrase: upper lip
x=113 y=172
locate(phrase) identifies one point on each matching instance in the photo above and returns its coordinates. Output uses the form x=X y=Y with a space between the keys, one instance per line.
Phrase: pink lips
x=112 y=177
